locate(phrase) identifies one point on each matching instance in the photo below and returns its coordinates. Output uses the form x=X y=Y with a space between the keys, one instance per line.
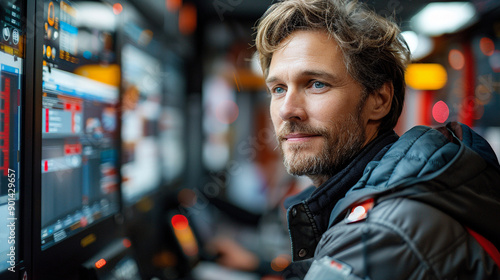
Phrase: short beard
x=343 y=141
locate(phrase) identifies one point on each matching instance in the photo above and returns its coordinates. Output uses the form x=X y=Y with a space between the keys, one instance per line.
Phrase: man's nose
x=293 y=106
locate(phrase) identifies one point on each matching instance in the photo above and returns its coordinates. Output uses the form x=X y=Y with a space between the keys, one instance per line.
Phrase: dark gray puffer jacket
x=429 y=191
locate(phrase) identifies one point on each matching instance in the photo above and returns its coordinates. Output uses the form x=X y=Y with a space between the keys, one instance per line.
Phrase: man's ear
x=381 y=101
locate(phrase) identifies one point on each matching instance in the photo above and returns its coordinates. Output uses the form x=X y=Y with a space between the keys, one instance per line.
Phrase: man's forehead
x=311 y=40
x=306 y=53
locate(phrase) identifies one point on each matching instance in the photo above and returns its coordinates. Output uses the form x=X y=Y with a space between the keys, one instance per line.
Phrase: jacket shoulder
x=403 y=239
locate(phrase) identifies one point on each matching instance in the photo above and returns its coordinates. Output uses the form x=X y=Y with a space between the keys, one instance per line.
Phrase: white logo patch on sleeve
x=328 y=268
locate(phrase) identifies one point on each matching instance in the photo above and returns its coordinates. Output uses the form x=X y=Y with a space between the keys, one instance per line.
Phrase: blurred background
x=170 y=135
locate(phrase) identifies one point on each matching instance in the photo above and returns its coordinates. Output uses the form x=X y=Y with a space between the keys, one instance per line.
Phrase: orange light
x=108 y=74
x=180 y=222
x=51 y=14
x=87 y=240
x=280 y=262
x=100 y=263
x=187 y=19
x=187 y=240
x=456 y=59
x=426 y=76
x=487 y=46
x=49 y=51
x=173 y=5
x=117 y=8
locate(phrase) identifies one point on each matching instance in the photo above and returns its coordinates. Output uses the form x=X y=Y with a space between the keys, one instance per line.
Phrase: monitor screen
x=80 y=99
x=141 y=113
x=12 y=46
x=173 y=120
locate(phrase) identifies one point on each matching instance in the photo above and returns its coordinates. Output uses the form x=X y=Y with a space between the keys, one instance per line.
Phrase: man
x=422 y=206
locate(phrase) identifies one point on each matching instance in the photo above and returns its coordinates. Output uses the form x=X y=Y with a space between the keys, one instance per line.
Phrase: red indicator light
x=180 y=222
x=127 y=243
x=47 y=119
x=100 y=263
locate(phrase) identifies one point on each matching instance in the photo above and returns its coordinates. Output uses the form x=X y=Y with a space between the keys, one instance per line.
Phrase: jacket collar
x=324 y=198
x=309 y=211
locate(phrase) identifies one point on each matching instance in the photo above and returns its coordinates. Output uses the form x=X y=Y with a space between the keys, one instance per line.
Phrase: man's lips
x=295 y=137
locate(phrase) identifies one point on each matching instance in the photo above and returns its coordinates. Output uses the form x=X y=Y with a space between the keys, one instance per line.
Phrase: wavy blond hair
x=374 y=52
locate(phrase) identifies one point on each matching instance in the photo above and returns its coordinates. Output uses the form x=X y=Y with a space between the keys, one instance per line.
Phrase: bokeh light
x=494 y=60
x=483 y=94
x=280 y=262
x=426 y=76
x=187 y=19
x=173 y=5
x=456 y=59
x=227 y=111
x=117 y=8
x=126 y=243
x=100 y=263
x=180 y=222
x=487 y=46
x=440 y=111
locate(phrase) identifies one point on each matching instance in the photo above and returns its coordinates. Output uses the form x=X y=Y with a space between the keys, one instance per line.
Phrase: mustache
x=294 y=127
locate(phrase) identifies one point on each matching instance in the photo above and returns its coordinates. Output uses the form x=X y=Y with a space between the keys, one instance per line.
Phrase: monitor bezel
x=23 y=266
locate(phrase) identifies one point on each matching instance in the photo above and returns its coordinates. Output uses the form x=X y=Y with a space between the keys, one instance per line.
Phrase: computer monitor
x=12 y=49
x=78 y=134
x=141 y=110
x=79 y=125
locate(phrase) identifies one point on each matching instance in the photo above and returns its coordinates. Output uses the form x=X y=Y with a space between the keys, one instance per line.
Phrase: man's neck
x=318 y=180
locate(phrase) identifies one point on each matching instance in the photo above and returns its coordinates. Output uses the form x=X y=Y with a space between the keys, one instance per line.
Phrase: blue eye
x=279 y=90
x=318 y=84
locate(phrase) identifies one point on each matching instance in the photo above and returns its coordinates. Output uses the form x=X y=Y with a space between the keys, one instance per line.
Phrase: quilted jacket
x=421 y=197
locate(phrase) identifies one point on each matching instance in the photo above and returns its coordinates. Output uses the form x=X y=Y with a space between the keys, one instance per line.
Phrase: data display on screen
x=142 y=109
x=79 y=120
x=11 y=72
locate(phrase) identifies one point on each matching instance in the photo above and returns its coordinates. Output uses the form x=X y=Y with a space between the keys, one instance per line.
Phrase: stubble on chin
x=340 y=143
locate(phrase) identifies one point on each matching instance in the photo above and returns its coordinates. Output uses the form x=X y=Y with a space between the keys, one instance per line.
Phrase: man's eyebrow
x=271 y=79
x=309 y=73
x=321 y=74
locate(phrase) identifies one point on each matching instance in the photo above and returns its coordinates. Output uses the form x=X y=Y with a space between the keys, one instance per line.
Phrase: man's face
x=316 y=106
